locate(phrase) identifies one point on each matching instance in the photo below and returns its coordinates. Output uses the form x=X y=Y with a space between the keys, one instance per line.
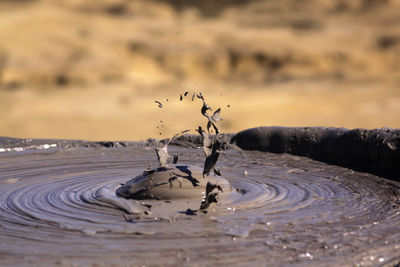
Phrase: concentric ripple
x=59 y=206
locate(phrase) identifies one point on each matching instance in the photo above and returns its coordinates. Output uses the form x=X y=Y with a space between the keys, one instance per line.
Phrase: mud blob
x=170 y=183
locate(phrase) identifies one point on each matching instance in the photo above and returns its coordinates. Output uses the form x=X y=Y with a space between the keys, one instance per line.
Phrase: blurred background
x=92 y=69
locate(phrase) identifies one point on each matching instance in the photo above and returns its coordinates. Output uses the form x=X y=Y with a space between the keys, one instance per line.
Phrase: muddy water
x=57 y=207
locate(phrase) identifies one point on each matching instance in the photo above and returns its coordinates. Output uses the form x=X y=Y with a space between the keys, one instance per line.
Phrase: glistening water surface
x=284 y=209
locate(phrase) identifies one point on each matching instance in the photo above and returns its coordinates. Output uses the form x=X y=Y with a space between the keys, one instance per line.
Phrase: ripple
x=62 y=203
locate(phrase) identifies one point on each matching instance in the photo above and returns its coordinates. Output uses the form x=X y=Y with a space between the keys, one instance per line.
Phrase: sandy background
x=93 y=69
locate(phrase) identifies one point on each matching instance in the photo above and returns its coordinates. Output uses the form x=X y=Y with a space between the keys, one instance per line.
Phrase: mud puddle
x=286 y=209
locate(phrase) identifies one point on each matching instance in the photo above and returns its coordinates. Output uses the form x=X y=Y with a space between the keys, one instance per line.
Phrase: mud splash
x=288 y=209
x=185 y=185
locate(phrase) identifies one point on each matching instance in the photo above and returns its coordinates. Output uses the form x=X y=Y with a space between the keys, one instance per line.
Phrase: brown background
x=93 y=69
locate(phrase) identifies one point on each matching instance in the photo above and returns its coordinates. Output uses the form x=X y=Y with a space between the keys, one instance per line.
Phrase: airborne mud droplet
x=160 y=105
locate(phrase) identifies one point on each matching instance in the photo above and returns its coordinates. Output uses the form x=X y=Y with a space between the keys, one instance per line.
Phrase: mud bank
x=376 y=151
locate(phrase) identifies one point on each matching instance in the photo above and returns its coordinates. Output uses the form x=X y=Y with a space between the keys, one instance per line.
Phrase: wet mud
x=376 y=151
x=58 y=206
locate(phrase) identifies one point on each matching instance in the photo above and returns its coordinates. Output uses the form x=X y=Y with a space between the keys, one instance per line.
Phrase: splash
x=172 y=181
x=162 y=153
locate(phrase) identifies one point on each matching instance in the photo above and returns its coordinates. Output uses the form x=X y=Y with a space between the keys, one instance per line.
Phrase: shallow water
x=56 y=206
